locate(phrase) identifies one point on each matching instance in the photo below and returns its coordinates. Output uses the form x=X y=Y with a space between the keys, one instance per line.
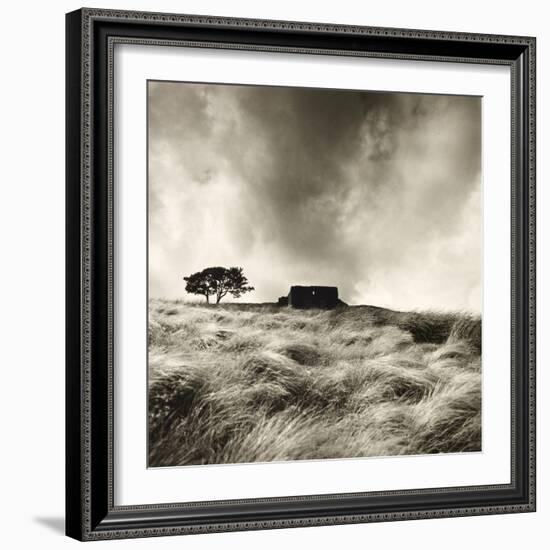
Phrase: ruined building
x=323 y=297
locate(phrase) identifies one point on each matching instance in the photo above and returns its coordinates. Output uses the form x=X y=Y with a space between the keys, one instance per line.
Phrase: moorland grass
x=255 y=382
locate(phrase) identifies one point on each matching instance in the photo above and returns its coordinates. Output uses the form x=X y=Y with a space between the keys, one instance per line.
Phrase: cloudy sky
x=376 y=193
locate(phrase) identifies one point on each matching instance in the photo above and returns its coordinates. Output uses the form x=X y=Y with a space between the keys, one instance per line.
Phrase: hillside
x=255 y=382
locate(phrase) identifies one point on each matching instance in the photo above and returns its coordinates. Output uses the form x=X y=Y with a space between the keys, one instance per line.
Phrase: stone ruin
x=303 y=297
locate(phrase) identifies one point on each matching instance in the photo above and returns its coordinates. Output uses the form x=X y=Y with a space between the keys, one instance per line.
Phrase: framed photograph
x=300 y=274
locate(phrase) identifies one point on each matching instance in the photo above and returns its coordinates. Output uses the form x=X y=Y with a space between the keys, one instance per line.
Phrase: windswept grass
x=256 y=383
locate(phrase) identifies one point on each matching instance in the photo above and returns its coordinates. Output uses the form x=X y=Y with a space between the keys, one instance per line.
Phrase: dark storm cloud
x=368 y=191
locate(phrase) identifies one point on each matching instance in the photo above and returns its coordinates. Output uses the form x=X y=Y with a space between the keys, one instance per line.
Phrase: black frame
x=90 y=511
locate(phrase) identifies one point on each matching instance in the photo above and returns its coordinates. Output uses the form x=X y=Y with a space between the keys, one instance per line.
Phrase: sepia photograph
x=314 y=273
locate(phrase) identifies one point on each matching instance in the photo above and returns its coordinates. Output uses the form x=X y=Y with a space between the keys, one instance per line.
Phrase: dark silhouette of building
x=323 y=297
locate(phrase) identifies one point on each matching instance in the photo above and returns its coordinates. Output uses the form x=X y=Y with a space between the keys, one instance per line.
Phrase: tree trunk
x=207 y=298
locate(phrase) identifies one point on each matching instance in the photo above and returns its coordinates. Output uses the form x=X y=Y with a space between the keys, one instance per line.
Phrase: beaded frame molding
x=90 y=40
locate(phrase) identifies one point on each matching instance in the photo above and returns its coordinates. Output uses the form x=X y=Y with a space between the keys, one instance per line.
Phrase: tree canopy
x=218 y=282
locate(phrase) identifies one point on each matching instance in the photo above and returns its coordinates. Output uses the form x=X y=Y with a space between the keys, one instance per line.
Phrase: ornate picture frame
x=91 y=330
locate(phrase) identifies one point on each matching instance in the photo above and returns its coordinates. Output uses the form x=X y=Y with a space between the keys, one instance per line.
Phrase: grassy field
x=256 y=383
